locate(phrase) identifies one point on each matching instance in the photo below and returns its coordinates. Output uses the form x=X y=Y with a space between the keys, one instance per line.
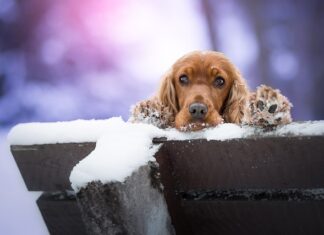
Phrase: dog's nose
x=198 y=110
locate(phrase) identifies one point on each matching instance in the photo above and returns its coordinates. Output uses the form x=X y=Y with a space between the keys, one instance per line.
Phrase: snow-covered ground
x=19 y=214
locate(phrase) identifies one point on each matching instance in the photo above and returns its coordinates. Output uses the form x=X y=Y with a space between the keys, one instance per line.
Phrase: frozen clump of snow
x=118 y=153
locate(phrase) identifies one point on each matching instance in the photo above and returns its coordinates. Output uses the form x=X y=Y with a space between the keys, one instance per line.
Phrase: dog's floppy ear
x=167 y=93
x=235 y=106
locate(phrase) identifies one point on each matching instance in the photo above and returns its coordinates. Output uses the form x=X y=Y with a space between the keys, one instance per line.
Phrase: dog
x=204 y=89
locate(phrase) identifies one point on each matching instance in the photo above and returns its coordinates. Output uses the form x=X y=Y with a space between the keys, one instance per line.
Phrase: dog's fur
x=231 y=102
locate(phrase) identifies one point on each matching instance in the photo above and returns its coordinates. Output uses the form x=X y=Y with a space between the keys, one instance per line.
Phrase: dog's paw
x=269 y=108
x=152 y=112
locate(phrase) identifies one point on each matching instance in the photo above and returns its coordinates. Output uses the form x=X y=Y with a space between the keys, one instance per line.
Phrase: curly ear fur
x=236 y=103
x=167 y=93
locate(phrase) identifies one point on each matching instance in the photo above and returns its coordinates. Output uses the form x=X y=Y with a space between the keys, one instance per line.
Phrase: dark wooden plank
x=254 y=217
x=244 y=163
x=285 y=162
x=61 y=213
x=268 y=185
x=47 y=167
x=173 y=200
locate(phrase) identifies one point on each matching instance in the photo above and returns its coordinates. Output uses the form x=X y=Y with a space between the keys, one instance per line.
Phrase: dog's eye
x=219 y=81
x=183 y=79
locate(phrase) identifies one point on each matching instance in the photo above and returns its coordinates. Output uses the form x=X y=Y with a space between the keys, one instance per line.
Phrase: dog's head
x=204 y=89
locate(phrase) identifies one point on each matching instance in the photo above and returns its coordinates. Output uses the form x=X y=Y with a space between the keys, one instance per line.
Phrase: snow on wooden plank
x=218 y=162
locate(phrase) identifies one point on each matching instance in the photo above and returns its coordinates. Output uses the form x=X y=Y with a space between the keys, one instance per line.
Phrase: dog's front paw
x=269 y=108
x=152 y=112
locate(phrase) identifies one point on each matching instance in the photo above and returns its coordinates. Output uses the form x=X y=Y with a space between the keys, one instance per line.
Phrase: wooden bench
x=261 y=185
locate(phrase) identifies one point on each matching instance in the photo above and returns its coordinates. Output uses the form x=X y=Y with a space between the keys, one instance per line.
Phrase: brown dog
x=205 y=89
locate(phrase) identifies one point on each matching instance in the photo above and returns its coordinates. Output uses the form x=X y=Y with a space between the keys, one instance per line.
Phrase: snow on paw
x=151 y=112
x=269 y=108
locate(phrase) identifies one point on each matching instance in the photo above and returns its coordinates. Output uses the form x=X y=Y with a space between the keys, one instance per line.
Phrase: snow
x=80 y=131
x=77 y=131
x=310 y=128
x=118 y=153
x=122 y=147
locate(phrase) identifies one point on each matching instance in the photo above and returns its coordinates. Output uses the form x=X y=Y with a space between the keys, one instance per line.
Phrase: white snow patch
x=77 y=131
x=118 y=153
x=310 y=128
x=123 y=147
x=228 y=131
x=80 y=131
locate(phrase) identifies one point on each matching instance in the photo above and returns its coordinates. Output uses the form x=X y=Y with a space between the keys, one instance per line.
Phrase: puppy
x=204 y=89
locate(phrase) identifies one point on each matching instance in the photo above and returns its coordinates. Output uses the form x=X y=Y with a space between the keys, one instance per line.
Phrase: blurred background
x=71 y=59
